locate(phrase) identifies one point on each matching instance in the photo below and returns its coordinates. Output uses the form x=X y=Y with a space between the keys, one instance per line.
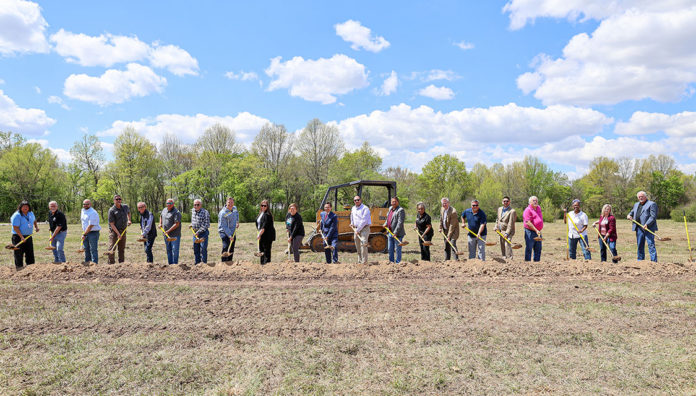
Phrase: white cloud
x=20 y=120
x=189 y=128
x=176 y=60
x=108 y=147
x=525 y=11
x=243 y=76
x=463 y=45
x=107 y=50
x=62 y=154
x=317 y=80
x=437 y=93
x=390 y=84
x=2 y=81
x=104 y=50
x=434 y=75
x=114 y=86
x=59 y=101
x=360 y=37
x=642 y=123
x=22 y=28
x=37 y=90
x=631 y=56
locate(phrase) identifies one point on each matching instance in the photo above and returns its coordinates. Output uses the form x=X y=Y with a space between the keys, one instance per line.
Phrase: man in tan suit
x=449 y=224
x=505 y=223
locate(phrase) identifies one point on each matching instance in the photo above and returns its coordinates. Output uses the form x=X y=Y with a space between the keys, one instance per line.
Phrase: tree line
x=286 y=168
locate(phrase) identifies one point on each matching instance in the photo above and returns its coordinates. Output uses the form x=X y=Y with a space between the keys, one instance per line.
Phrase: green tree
x=444 y=176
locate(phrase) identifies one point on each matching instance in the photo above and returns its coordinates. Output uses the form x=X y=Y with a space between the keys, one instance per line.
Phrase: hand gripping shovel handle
x=584 y=243
x=514 y=246
x=425 y=243
x=394 y=236
x=478 y=237
x=450 y=243
x=197 y=240
x=614 y=258
x=170 y=239
x=326 y=242
x=656 y=236
x=13 y=247
x=113 y=248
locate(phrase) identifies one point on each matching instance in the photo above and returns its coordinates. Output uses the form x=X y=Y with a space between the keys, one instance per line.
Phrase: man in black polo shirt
x=119 y=219
x=59 y=227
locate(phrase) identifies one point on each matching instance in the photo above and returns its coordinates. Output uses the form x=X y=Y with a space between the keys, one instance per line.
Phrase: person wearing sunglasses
x=476 y=221
x=266 y=231
x=170 y=220
x=360 y=221
x=90 y=232
x=200 y=222
x=119 y=219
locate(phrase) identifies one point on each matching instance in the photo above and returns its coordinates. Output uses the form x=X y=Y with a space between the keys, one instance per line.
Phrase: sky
x=486 y=81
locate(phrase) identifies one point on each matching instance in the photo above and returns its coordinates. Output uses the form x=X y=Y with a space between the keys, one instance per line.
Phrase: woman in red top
x=607 y=228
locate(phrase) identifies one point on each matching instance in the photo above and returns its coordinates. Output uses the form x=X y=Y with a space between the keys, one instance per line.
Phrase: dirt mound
x=247 y=271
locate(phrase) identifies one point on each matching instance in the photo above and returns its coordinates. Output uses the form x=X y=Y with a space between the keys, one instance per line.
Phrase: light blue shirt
x=25 y=223
x=227 y=221
x=90 y=217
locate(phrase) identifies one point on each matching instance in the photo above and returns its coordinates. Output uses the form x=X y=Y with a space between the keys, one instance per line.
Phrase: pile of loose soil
x=248 y=271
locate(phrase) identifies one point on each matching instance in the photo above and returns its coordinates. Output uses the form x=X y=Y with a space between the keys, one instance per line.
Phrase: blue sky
x=486 y=81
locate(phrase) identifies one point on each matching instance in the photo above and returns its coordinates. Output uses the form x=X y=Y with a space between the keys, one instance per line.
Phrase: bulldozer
x=376 y=194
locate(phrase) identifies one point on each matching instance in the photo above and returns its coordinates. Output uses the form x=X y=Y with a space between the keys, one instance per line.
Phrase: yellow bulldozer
x=376 y=194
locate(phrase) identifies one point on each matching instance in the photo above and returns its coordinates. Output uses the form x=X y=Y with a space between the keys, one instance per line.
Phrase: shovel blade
x=664 y=239
x=50 y=248
x=616 y=259
x=171 y=239
x=258 y=254
x=491 y=243
x=538 y=238
x=517 y=246
x=427 y=243
x=10 y=247
x=404 y=243
x=225 y=254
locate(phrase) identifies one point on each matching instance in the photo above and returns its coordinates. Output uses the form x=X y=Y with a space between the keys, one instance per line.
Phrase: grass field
x=456 y=330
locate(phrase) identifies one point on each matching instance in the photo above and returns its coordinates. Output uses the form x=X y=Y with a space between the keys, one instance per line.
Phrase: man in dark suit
x=644 y=212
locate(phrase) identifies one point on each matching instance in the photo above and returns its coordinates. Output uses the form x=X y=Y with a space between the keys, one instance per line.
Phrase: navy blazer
x=648 y=216
x=329 y=225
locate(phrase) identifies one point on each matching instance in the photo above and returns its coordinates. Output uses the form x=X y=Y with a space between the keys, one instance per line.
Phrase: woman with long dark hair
x=266 y=231
x=23 y=220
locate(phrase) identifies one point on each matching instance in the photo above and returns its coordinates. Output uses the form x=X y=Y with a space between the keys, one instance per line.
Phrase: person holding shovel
x=328 y=224
x=360 y=222
x=644 y=212
x=505 y=224
x=266 y=231
x=476 y=221
x=90 y=232
x=577 y=228
x=119 y=220
x=228 y=222
x=170 y=221
x=395 y=224
x=148 y=232
x=424 y=227
x=295 y=229
x=200 y=222
x=449 y=227
x=533 y=223
x=607 y=232
x=58 y=225
x=22 y=222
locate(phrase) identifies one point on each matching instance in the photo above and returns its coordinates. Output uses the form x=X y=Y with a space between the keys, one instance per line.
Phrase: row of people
x=474 y=221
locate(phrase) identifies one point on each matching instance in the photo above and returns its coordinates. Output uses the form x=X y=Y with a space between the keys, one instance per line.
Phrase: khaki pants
x=121 y=246
x=361 y=244
x=506 y=248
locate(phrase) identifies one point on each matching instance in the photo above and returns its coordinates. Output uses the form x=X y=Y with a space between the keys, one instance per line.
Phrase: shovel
x=326 y=242
x=691 y=258
x=355 y=231
x=425 y=243
x=82 y=245
x=50 y=246
x=659 y=238
x=259 y=253
x=450 y=243
x=584 y=243
x=513 y=245
x=196 y=238
x=615 y=259
x=16 y=247
x=112 y=251
x=478 y=237
x=227 y=253
x=404 y=243
x=169 y=239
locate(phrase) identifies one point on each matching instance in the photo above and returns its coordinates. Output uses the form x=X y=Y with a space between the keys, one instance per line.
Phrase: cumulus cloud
x=317 y=80
x=463 y=45
x=189 y=128
x=59 y=101
x=643 y=123
x=360 y=37
x=22 y=28
x=107 y=50
x=389 y=85
x=634 y=55
x=20 y=120
x=62 y=154
x=243 y=76
x=114 y=86
x=437 y=93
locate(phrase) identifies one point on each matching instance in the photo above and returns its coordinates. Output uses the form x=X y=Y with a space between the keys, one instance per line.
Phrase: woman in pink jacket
x=533 y=223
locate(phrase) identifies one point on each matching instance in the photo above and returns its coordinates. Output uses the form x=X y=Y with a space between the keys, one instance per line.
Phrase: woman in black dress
x=266 y=232
x=425 y=228
x=295 y=229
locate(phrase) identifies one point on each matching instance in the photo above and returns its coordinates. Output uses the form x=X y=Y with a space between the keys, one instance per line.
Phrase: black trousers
x=26 y=250
x=226 y=245
x=425 y=250
x=265 y=247
x=449 y=252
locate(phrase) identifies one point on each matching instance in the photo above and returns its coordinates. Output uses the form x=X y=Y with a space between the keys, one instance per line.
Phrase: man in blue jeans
x=90 y=232
x=170 y=220
x=200 y=222
x=644 y=212
x=148 y=232
x=395 y=224
x=577 y=218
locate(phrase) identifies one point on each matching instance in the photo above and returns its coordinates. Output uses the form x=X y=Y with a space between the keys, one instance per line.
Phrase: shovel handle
x=503 y=236
x=578 y=230
x=392 y=234
x=450 y=243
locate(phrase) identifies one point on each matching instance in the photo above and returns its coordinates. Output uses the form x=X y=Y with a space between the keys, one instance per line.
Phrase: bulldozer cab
x=376 y=194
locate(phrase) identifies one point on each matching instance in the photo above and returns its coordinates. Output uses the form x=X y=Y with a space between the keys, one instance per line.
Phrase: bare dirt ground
x=310 y=328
